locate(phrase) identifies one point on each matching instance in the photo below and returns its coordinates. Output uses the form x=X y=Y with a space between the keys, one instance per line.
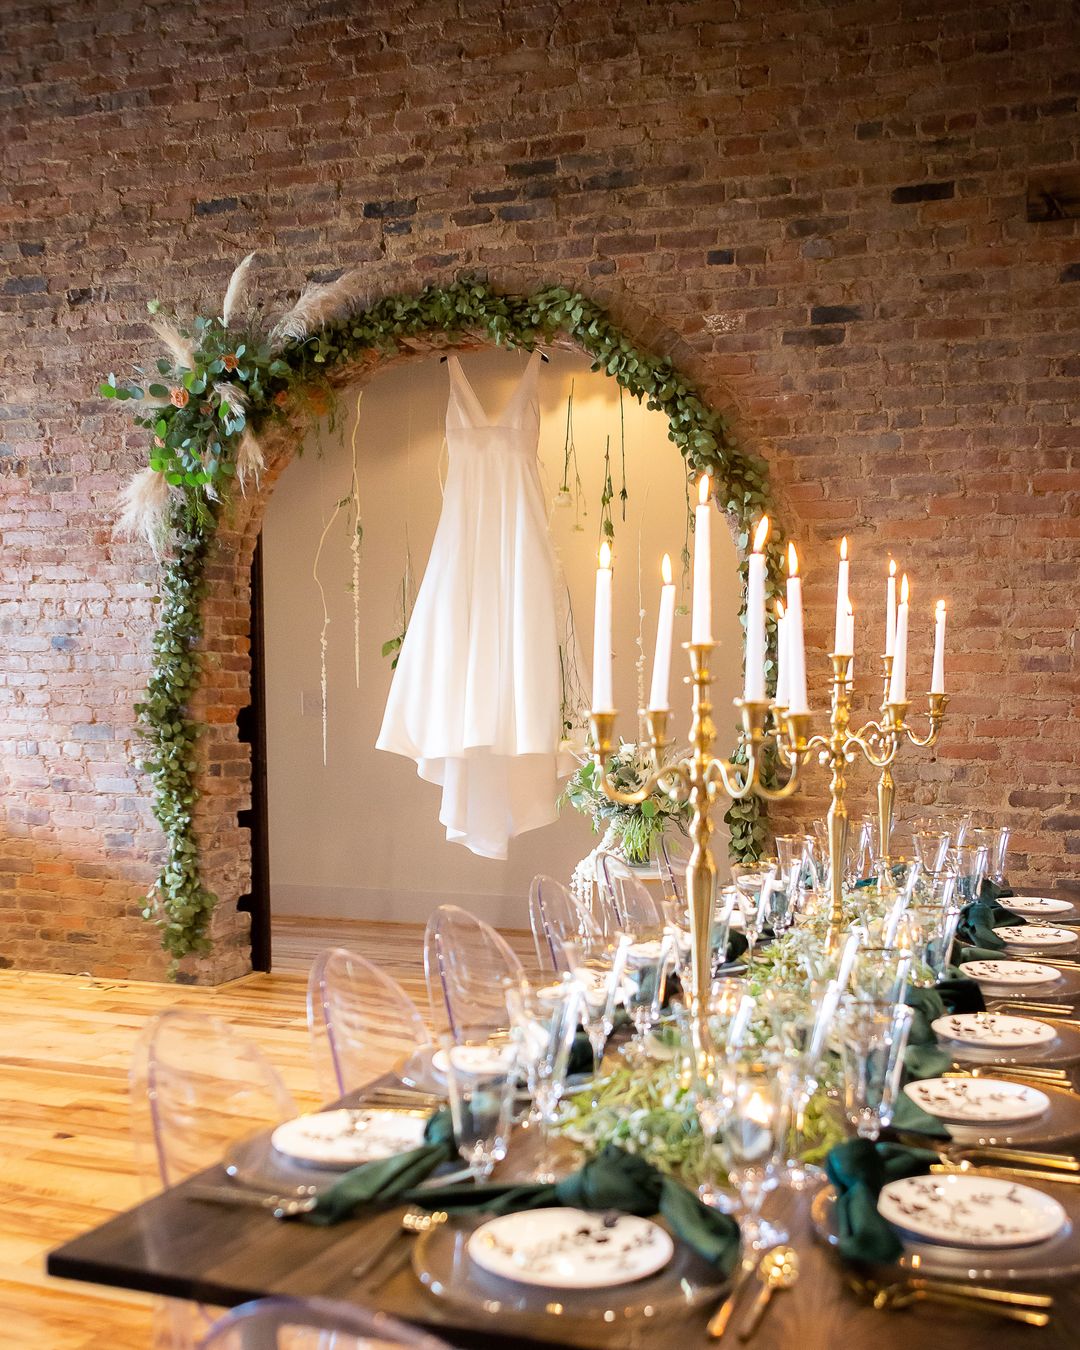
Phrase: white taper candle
x=890 y=609
x=701 y=624
x=754 y=672
x=659 y=694
x=898 y=685
x=782 y=660
x=937 y=682
x=602 y=696
x=796 y=650
x=840 y=628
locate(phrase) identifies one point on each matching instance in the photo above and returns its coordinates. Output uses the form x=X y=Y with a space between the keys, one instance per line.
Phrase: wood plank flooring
x=65 y=1150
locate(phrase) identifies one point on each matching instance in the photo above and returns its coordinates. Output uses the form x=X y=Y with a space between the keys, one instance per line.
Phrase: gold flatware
x=1042 y=1075
x=902 y=1295
x=779 y=1269
x=1016 y=1297
x=722 y=1316
x=413 y=1222
x=1030 y=1005
x=1005 y=1172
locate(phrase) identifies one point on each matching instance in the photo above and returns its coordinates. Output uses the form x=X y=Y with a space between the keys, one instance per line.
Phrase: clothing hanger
x=543 y=357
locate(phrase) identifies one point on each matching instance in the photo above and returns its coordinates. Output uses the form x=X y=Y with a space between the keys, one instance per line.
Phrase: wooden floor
x=65 y=1151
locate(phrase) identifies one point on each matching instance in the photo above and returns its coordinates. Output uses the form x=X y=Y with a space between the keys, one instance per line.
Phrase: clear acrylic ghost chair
x=363 y=1025
x=557 y=918
x=196 y=1087
x=629 y=905
x=673 y=857
x=469 y=968
x=312 y=1324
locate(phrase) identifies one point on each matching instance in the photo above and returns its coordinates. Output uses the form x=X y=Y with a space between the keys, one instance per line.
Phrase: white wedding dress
x=477 y=695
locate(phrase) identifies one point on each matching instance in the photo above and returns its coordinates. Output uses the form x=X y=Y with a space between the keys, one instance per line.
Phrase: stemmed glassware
x=602 y=981
x=880 y=973
x=873 y=1039
x=645 y=991
x=544 y=1043
x=970 y=862
x=931 y=848
x=996 y=843
x=481 y=1108
x=751 y=1141
x=753 y=884
x=800 y=1023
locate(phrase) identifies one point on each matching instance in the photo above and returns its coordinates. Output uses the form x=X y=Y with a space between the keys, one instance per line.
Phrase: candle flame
x=605 y=555
x=792 y=561
x=843 y=549
x=665 y=570
x=904 y=589
x=892 y=567
x=703 y=489
x=761 y=534
x=939 y=609
x=779 y=609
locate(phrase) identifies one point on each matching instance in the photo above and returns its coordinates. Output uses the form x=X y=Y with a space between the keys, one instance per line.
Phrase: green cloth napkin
x=858 y=1169
x=612 y=1180
x=386 y=1180
x=990 y=890
x=924 y=1058
x=977 y=923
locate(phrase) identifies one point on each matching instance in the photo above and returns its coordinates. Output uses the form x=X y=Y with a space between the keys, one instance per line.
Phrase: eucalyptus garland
x=223 y=380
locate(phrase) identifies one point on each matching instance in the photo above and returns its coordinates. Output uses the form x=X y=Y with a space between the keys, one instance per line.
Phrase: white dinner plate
x=571 y=1248
x=1036 y=935
x=476 y=1059
x=993 y=1029
x=1037 y=904
x=971 y=1211
x=1010 y=972
x=345 y=1138
x=977 y=1100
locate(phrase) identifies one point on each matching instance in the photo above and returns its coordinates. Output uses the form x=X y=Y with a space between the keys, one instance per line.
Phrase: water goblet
x=970 y=862
x=931 y=847
x=753 y=882
x=601 y=981
x=880 y=973
x=751 y=1138
x=711 y=1091
x=481 y=1109
x=789 y=847
x=648 y=966
x=921 y=933
x=873 y=1038
x=794 y=1018
x=996 y=842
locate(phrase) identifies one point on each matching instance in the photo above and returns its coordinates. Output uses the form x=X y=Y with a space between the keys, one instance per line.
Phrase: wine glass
x=751 y=1139
x=873 y=1038
x=996 y=841
x=481 y=1109
x=753 y=882
x=970 y=862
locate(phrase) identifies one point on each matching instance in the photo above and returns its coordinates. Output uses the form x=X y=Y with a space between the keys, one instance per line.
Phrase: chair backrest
x=636 y=912
x=468 y=967
x=556 y=918
x=673 y=856
x=302 y=1324
x=363 y=1025
x=197 y=1087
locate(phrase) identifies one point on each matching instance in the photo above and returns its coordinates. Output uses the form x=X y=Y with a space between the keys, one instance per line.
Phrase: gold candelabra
x=886 y=788
x=698 y=779
x=879 y=742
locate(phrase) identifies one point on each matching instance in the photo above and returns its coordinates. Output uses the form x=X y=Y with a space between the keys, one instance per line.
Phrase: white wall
x=360 y=838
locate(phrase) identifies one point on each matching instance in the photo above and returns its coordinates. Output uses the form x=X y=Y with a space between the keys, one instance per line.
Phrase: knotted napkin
x=975 y=931
x=924 y=1058
x=858 y=1169
x=382 y=1182
x=613 y=1180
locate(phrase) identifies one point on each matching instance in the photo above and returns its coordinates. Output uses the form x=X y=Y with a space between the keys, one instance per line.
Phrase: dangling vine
x=224 y=379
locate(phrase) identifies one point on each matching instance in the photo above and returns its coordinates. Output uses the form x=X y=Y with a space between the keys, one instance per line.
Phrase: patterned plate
x=1036 y=935
x=1010 y=972
x=1037 y=904
x=346 y=1138
x=971 y=1211
x=571 y=1248
x=993 y=1029
x=977 y=1100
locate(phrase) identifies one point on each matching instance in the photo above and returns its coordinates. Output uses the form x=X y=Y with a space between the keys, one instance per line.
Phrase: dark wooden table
x=186 y=1249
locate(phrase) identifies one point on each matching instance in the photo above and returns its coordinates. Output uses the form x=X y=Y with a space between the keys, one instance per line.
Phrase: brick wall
x=820 y=208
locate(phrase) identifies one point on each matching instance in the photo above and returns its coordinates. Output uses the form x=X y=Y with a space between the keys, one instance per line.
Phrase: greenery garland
x=222 y=381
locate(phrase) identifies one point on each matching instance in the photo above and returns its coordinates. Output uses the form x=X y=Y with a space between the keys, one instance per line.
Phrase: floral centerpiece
x=629 y=832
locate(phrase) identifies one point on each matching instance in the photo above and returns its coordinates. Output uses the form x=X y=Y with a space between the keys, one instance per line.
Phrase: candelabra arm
x=938 y=703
